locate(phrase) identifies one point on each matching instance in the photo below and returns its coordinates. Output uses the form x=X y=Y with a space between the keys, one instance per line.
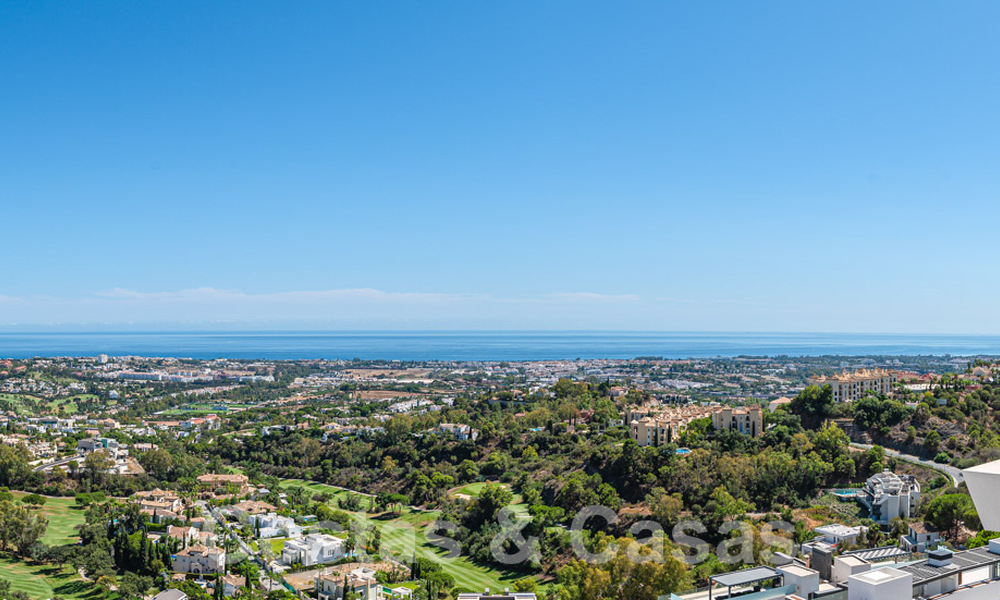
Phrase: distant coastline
x=484 y=345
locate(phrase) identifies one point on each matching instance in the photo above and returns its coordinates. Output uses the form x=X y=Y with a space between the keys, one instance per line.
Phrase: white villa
x=272 y=525
x=333 y=586
x=313 y=549
x=199 y=559
x=248 y=508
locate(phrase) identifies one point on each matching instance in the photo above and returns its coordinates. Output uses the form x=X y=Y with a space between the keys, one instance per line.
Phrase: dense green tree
x=932 y=441
x=635 y=572
x=14 y=467
x=813 y=405
x=159 y=463
x=875 y=413
x=946 y=512
x=20 y=527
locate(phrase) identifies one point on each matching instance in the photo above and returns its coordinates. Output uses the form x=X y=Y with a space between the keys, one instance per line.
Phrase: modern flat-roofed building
x=109 y=445
x=313 y=549
x=887 y=496
x=805 y=580
x=846 y=566
x=838 y=534
x=880 y=584
x=171 y=594
x=948 y=574
x=270 y=525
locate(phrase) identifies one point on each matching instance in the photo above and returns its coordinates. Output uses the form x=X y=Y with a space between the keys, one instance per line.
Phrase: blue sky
x=772 y=166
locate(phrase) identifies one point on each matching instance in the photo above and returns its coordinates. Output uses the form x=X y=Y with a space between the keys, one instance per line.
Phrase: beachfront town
x=174 y=478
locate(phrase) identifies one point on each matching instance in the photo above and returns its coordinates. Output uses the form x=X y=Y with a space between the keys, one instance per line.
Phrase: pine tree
x=146 y=559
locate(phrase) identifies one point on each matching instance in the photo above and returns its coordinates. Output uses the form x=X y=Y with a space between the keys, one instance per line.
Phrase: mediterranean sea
x=484 y=345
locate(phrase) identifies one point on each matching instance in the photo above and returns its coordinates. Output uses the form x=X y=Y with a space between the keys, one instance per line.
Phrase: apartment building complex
x=655 y=428
x=887 y=496
x=748 y=420
x=225 y=483
x=848 y=387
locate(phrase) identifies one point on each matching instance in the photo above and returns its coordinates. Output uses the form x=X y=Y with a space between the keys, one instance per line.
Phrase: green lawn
x=45 y=581
x=14 y=402
x=201 y=409
x=277 y=545
x=179 y=412
x=64 y=516
x=69 y=404
x=406 y=534
x=473 y=490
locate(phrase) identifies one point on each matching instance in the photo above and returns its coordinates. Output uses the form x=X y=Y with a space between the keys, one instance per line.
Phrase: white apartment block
x=887 y=496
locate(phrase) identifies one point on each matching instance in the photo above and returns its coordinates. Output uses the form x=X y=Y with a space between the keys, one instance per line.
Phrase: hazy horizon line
x=116 y=329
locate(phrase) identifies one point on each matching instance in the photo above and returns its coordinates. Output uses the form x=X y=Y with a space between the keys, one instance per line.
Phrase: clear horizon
x=485 y=345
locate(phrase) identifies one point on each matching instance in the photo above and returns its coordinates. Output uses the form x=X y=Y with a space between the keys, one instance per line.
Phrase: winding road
x=954 y=473
x=57 y=463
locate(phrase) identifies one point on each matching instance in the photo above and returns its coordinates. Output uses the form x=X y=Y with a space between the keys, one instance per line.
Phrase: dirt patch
x=387 y=373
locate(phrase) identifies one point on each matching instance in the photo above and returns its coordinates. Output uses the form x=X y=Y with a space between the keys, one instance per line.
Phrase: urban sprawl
x=760 y=478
